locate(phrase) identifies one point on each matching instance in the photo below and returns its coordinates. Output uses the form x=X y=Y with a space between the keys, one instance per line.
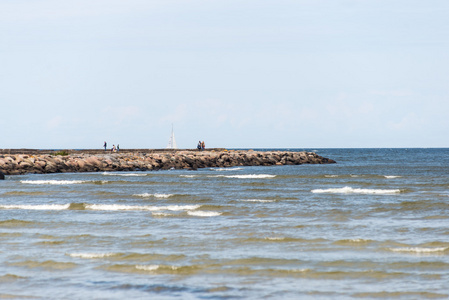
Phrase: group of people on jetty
x=113 y=149
x=201 y=145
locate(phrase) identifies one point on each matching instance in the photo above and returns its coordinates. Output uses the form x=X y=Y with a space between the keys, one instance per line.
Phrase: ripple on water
x=10 y=278
x=48 y=264
x=17 y=223
x=401 y=295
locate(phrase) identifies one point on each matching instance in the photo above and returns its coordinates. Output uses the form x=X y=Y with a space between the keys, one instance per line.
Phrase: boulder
x=2 y=176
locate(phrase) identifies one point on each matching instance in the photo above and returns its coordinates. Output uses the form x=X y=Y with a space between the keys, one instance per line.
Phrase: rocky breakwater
x=18 y=164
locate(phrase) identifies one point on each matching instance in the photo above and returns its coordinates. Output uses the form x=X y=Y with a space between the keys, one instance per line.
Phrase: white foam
x=350 y=190
x=124 y=174
x=147 y=267
x=60 y=182
x=37 y=207
x=248 y=176
x=91 y=255
x=156 y=267
x=298 y=270
x=147 y=195
x=189 y=176
x=331 y=176
x=359 y=240
x=419 y=249
x=131 y=174
x=275 y=238
x=259 y=200
x=392 y=176
x=116 y=207
x=200 y=213
x=226 y=169
x=161 y=214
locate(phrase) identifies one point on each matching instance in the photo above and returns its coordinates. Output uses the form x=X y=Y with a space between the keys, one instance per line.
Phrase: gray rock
x=2 y=176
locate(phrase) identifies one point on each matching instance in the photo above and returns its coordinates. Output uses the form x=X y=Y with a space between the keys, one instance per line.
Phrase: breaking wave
x=115 y=207
x=419 y=249
x=350 y=190
x=247 y=176
x=59 y=182
x=147 y=195
x=226 y=169
x=200 y=213
x=123 y=174
x=91 y=255
x=102 y=207
x=258 y=200
x=37 y=207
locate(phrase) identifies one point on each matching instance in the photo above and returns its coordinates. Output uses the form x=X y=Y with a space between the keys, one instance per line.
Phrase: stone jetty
x=40 y=162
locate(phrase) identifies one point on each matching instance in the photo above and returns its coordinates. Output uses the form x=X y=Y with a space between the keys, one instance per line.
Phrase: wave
x=350 y=190
x=357 y=176
x=156 y=268
x=189 y=176
x=167 y=268
x=419 y=249
x=101 y=207
x=26 y=193
x=7 y=278
x=258 y=200
x=247 y=176
x=161 y=214
x=399 y=295
x=276 y=238
x=15 y=222
x=37 y=207
x=226 y=169
x=353 y=242
x=91 y=255
x=147 y=195
x=123 y=174
x=200 y=213
x=49 y=264
x=58 y=182
x=115 y=207
x=147 y=267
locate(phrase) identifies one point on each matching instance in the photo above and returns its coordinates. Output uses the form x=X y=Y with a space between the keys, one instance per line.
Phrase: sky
x=236 y=74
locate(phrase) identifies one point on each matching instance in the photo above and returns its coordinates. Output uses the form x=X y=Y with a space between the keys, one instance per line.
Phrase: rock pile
x=16 y=164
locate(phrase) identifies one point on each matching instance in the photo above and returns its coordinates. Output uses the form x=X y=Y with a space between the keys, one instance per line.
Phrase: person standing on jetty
x=203 y=146
x=113 y=149
x=199 y=146
x=105 y=145
x=118 y=147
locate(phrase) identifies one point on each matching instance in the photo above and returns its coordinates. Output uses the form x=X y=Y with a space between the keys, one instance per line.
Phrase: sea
x=375 y=225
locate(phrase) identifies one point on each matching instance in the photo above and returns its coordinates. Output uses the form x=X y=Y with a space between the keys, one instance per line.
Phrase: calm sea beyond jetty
x=265 y=224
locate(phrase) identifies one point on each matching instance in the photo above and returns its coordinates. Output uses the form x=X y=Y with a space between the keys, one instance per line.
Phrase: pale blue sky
x=316 y=73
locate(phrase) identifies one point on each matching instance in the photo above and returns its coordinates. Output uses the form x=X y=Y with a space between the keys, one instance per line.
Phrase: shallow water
x=374 y=225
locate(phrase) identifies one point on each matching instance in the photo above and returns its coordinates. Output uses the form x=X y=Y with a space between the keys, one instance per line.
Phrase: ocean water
x=373 y=226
